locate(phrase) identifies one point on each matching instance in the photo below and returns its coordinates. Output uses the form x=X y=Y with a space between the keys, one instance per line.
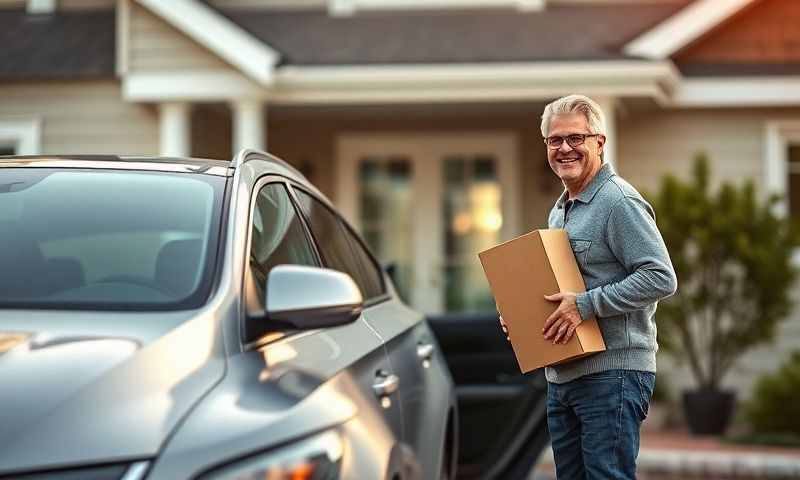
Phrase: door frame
x=425 y=150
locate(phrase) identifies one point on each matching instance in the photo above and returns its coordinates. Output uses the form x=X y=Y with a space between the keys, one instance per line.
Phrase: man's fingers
x=561 y=331
x=551 y=319
x=553 y=328
x=569 y=333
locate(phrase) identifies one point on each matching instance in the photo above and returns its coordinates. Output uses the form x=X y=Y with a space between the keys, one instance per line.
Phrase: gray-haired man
x=596 y=404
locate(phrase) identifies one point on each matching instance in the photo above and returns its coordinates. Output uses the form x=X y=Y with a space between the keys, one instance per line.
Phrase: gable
x=762 y=38
x=156 y=45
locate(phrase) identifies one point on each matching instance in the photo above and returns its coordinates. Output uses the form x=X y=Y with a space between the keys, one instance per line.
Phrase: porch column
x=249 y=124
x=609 y=105
x=175 y=129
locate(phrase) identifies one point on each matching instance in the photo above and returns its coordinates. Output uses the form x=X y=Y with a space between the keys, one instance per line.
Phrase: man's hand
x=503 y=325
x=561 y=324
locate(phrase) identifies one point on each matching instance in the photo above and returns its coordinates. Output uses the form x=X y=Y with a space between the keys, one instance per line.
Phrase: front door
x=428 y=203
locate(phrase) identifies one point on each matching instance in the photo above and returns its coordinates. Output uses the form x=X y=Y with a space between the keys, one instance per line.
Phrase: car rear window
x=107 y=239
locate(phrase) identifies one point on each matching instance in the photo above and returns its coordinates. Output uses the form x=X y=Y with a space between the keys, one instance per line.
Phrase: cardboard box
x=521 y=272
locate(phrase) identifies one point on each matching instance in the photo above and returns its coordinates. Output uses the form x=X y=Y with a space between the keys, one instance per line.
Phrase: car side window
x=277 y=236
x=340 y=249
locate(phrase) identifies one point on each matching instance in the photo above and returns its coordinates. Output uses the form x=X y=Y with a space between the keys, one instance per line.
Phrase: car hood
x=104 y=390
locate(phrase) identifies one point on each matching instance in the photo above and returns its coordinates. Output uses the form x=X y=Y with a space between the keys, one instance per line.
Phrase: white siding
x=83 y=117
x=155 y=45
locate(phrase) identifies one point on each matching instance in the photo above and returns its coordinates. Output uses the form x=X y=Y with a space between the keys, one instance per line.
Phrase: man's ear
x=601 y=143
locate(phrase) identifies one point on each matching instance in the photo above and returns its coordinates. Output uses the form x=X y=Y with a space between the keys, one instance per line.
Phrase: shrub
x=774 y=408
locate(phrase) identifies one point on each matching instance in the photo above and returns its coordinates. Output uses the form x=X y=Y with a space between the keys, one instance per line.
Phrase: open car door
x=502 y=416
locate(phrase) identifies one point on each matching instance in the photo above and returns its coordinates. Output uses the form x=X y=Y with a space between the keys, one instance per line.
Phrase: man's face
x=574 y=165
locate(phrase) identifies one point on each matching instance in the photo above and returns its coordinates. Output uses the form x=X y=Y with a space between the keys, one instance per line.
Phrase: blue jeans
x=594 y=423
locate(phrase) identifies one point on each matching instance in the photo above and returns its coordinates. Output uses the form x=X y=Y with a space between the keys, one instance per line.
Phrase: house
x=419 y=118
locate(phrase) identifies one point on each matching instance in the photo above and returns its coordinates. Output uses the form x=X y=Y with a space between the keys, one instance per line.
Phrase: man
x=596 y=404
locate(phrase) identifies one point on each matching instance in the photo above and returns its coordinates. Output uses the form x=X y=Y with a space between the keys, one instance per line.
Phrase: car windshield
x=107 y=239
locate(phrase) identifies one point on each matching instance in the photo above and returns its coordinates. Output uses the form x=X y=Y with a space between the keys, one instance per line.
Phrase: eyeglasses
x=573 y=140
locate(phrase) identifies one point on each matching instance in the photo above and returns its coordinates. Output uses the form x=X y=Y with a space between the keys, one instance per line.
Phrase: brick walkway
x=677 y=455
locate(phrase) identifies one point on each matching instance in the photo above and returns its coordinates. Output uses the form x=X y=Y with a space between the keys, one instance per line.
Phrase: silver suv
x=195 y=319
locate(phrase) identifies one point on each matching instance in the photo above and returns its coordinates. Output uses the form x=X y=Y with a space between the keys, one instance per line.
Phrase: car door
x=279 y=235
x=424 y=383
x=502 y=427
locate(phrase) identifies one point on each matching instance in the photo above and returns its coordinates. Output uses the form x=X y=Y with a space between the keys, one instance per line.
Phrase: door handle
x=386 y=385
x=425 y=351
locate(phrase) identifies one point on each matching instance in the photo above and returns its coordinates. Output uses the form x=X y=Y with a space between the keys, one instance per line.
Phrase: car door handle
x=425 y=351
x=386 y=385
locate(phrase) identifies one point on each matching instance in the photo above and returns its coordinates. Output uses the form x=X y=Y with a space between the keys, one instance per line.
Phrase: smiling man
x=596 y=404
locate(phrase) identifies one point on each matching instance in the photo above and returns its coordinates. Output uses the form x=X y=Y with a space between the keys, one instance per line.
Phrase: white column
x=249 y=124
x=609 y=106
x=175 y=129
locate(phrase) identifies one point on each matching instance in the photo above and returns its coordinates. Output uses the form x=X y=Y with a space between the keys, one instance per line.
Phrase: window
x=340 y=249
x=107 y=239
x=277 y=237
x=20 y=137
x=794 y=180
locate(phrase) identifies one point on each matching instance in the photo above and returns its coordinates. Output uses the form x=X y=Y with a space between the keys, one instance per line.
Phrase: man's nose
x=564 y=147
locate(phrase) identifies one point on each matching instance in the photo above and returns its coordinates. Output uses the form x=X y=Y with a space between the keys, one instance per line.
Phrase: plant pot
x=708 y=412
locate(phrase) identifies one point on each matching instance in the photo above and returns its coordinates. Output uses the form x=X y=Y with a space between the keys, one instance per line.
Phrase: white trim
x=41 y=6
x=349 y=7
x=609 y=106
x=683 y=28
x=777 y=137
x=764 y=91
x=205 y=85
x=472 y=82
x=25 y=135
x=412 y=83
x=123 y=35
x=218 y=34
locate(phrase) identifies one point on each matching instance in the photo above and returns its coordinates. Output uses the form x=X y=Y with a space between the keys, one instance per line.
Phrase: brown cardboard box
x=521 y=272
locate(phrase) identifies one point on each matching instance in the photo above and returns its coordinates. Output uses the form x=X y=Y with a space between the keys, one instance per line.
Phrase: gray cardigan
x=626 y=268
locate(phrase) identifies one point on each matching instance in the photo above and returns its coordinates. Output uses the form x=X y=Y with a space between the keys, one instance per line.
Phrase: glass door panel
x=386 y=214
x=472 y=219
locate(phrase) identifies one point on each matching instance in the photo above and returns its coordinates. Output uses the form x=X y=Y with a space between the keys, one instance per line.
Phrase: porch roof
x=561 y=32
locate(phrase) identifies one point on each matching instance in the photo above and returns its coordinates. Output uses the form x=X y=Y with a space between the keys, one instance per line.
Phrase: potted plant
x=732 y=255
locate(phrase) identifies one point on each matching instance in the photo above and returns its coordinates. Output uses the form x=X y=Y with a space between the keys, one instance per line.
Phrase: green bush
x=733 y=257
x=774 y=408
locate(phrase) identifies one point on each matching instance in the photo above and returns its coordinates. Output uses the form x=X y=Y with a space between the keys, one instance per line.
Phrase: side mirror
x=310 y=297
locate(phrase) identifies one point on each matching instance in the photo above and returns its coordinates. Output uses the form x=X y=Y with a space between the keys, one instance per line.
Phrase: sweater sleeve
x=635 y=241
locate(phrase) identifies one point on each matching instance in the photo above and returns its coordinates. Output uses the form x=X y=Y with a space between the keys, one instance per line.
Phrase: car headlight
x=315 y=458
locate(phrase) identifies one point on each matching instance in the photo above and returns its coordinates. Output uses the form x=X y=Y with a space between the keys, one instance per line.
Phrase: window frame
x=247 y=313
x=368 y=302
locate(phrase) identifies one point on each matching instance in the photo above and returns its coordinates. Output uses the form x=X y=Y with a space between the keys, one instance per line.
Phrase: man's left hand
x=561 y=324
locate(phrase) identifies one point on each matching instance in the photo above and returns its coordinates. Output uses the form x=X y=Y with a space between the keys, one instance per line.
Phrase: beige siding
x=83 y=117
x=156 y=45
x=653 y=144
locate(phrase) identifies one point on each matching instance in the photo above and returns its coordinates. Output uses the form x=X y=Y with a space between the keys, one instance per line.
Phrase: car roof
x=138 y=162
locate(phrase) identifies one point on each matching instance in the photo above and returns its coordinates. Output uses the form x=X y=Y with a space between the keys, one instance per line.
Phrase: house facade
x=420 y=119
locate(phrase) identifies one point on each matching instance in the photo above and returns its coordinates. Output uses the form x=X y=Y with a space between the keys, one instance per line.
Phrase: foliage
x=732 y=256
x=774 y=408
